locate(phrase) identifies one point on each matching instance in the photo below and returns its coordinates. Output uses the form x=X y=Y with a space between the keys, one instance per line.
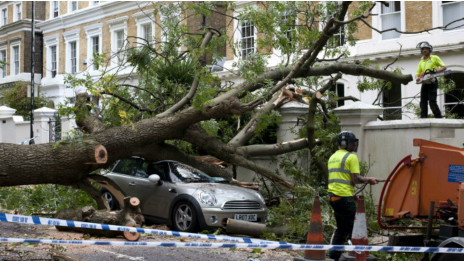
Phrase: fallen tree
x=150 y=135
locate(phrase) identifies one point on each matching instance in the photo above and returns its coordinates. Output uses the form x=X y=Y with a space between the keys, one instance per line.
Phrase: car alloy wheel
x=185 y=218
x=110 y=200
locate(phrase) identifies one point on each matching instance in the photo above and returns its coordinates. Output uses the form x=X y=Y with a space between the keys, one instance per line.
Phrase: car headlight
x=207 y=198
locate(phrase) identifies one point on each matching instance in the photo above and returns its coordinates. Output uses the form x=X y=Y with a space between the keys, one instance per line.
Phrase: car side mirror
x=155 y=179
x=219 y=180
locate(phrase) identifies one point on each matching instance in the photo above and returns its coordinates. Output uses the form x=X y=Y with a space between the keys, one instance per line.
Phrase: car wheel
x=113 y=204
x=184 y=217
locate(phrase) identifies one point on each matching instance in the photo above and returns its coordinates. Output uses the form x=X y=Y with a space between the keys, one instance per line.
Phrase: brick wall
x=26 y=55
x=230 y=34
x=418 y=15
x=39 y=9
x=364 y=32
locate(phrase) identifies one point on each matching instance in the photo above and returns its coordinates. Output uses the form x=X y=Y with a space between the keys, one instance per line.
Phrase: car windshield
x=184 y=173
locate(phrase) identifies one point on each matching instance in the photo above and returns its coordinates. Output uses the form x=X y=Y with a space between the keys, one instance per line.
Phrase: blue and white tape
x=70 y=223
x=242 y=245
x=238 y=241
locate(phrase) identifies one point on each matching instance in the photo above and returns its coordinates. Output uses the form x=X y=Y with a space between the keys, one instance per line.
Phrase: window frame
x=17 y=11
x=70 y=6
x=93 y=31
x=3 y=57
x=53 y=61
x=243 y=51
x=442 y=10
x=69 y=37
x=12 y=59
x=335 y=88
x=4 y=16
x=49 y=42
x=395 y=107
x=52 y=9
x=142 y=19
x=401 y=18
x=117 y=24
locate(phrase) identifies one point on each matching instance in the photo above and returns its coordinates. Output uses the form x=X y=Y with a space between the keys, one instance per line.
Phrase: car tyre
x=113 y=204
x=184 y=217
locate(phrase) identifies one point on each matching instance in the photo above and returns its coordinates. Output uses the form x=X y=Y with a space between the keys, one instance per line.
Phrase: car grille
x=241 y=205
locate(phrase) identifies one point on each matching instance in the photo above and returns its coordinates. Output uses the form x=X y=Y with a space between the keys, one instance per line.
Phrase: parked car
x=184 y=198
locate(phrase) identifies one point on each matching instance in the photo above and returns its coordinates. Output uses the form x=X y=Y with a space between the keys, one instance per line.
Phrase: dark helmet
x=347 y=140
x=424 y=45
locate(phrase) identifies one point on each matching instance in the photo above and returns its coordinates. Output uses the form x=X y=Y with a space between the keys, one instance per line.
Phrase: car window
x=132 y=167
x=159 y=168
x=184 y=173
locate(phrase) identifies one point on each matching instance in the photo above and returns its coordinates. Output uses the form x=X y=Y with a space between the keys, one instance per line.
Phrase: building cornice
x=405 y=53
x=89 y=14
x=18 y=26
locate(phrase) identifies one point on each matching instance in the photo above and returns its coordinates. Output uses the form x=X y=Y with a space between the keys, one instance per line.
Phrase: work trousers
x=345 y=211
x=429 y=93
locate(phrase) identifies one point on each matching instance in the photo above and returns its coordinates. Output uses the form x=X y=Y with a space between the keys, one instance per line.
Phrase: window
x=3 y=64
x=248 y=38
x=95 y=2
x=454 y=102
x=18 y=13
x=147 y=33
x=95 y=49
x=453 y=11
x=16 y=59
x=118 y=31
x=4 y=16
x=55 y=8
x=339 y=90
x=73 y=57
x=120 y=46
x=391 y=18
x=53 y=60
x=338 y=38
x=132 y=167
x=288 y=25
x=73 y=6
x=391 y=101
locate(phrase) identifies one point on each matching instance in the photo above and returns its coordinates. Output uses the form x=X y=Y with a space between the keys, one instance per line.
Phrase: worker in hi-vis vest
x=343 y=174
x=428 y=64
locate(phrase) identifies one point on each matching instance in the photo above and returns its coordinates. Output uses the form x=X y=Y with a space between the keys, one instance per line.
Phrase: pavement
x=36 y=252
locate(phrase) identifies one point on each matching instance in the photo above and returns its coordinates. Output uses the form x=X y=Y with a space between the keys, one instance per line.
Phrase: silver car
x=183 y=197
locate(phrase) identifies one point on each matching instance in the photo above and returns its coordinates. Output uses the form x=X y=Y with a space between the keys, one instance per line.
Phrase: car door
x=158 y=197
x=126 y=174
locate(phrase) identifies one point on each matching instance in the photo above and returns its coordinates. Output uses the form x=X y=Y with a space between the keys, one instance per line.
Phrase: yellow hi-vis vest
x=341 y=164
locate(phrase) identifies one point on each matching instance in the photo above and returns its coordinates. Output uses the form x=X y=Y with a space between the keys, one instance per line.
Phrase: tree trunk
x=250 y=228
x=130 y=215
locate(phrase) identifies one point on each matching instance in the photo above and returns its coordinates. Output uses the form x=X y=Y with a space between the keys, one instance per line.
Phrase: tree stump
x=130 y=215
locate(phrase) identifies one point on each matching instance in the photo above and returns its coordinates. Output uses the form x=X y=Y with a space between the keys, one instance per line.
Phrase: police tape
x=79 y=224
x=360 y=248
x=243 y=242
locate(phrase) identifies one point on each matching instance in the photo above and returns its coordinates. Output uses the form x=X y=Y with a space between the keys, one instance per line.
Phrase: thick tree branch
x=247 y=132
x=273 y=149
x=196 y=135
x=310 y=125
x=356 y=69
x=87 y=121
x=163 y=151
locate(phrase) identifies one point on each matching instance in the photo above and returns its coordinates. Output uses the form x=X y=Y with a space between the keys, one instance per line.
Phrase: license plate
x=246 y=217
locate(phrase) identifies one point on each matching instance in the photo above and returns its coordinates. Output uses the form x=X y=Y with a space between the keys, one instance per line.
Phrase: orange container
x=434 y=176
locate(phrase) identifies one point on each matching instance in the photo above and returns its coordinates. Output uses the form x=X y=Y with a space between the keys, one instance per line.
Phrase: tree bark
x=130 y=215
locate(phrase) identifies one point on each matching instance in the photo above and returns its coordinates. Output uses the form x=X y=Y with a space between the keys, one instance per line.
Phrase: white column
x=41 y=124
